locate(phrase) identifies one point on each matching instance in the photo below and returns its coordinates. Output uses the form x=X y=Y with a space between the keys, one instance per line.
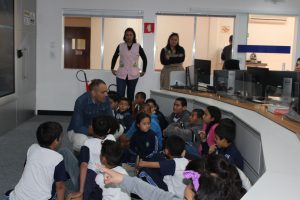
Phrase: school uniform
x=233 y=155
x=125 y=119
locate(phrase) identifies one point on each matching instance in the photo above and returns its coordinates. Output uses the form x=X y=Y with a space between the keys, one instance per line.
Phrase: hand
x=212 y=149
x=142 y=74
x=90 y=130
x=75 y=195
x=114 y=72
x=112 y=177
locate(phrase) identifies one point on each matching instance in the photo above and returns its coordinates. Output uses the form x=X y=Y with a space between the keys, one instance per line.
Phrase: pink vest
x=129 y=61
x=210 y=136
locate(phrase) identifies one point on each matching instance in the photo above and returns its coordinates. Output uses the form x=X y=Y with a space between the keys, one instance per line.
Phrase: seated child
x=44 y=166
x=111 y=154
x=114 y=101
x=143 y=143
x=163 y=123
x=211 y=118
x=188 y=131
x=225 y=135
x=90 y=157
x=123 y=114
x=171 y=169
x=139 y=99
x=180 y=112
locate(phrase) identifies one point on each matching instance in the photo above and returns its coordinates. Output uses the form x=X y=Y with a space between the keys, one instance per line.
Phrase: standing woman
x=128 y=72
x=172 y=57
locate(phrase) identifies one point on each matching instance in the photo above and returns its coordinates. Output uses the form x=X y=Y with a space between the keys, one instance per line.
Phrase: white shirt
x=112 y=192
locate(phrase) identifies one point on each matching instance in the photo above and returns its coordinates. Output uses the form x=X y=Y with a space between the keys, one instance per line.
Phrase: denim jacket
x=84 y=112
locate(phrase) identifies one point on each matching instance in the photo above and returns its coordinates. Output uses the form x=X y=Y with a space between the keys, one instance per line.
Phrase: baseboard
x=54 y=112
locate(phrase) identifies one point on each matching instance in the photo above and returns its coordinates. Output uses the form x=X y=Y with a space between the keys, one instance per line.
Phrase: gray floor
x=14 y=145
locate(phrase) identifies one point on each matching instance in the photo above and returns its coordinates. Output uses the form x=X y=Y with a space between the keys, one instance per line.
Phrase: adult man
x=227 y=51
x=87 y=106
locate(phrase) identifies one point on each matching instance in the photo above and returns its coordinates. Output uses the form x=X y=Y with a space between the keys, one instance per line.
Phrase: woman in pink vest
x=128 y=72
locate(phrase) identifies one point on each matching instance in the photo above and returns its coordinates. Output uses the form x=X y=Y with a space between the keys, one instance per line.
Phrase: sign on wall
x=148 y=27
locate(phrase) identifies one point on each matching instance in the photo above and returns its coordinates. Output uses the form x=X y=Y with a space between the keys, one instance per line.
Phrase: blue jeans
x=130 y=84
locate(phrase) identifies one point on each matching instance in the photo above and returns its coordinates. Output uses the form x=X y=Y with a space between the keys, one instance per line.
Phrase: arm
x=180 y=58
x=77 y=117
x=114 y=60
x=60 y=177
x=60 y=190
x=144 y=58
x=163 y=58
x=149 y=164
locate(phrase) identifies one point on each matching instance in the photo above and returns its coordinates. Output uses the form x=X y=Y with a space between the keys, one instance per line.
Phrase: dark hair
x=197 y=165
x=133 y=32
x=154 y=103
x=298 y=59
x=216 y=114
x=175 y=145
x=101 y=126
x=199 y=112
x=113 y=124
x=113 y=96
x=182 y=100
x=112 y=151
x=226 y=129
x=143 y=106
x=230 y=38
x=168 y=43
x=141 y=94
x=125 y=99
x=47 y=132
x=96 y=82
x=140 y=116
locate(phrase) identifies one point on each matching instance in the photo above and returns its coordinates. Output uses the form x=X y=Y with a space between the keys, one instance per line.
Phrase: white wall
x=57 y=88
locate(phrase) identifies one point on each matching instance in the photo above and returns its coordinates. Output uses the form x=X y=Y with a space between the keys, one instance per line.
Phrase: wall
x=57 y=88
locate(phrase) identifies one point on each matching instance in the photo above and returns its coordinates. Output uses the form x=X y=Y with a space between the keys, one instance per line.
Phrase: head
x=129 y=36
x=48 y=134
x=196 y=115
x=100 y=126
x=153 y=105
x=173 y=41
x=231 y=39
x=113 y=125
x=298 y=62
x=225 y=133
x=114 y=100
x=143 y=122
x=124 y=104
x=175 y=147
x=98 y=90
x=145 y=108
x=111 y=154
x=180 y=105
x=212 y=114
x=140 y=97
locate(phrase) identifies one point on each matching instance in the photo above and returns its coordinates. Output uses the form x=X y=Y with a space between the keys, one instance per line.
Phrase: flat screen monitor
x=202 y=71
x=258 y=77
x=231 y=64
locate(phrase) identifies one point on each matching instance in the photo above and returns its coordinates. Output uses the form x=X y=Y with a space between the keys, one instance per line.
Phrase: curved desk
x=271 y=152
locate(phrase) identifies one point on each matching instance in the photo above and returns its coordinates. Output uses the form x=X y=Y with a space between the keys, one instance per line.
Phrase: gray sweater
x=145 y=190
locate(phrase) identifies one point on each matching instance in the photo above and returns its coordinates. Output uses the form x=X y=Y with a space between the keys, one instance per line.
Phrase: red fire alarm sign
x=148 y=27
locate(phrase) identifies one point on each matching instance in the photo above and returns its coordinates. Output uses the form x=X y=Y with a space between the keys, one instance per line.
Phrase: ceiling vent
x=265 y=19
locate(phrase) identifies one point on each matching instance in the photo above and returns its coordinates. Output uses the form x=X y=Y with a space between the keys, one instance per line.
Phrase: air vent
x=265 y=19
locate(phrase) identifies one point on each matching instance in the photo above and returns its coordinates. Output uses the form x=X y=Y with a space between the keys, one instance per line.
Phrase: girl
x=163 y=123
x=143 y=143
x=211 y=118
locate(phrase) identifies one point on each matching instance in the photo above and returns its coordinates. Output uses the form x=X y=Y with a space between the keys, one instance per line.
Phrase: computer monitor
x=257 y=81
x=202 y=71
x=231 y=64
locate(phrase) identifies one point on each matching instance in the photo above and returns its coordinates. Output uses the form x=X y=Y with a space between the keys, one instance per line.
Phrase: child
x=172 y=169
x=139 y=99
x=180 y=112
x=188 y=131
x=225 y=134
x=114 y=101
x=111 y=154
x=43 y=166
x=163 y=123
x=123 y=114
x=143 y=143
x=90 y=157
x=211 y=118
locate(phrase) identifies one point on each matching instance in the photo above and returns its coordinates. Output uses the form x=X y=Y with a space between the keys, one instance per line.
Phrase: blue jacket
x=84 y=112
x=154 y=127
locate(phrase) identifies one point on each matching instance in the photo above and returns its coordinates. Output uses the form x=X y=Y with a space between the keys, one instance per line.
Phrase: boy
x=90 y=157
x=225 y=135
x=180 y=112
x=172 y=169
x=43 y=166
x=114 y=101
x=188 y=131
x=123 y=114
x=111 y=154
x=139 y=99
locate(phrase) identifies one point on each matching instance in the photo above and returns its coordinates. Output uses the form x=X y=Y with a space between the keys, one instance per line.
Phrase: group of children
x=166 y=151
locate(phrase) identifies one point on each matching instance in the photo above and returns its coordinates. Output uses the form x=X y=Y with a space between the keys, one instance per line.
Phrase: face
x=193 y=118
x=207 y=118
x=189 y=194
x=123 y=106
x=113 y=104
x=221 y=143
x=173 y=41
x=139 y=99
x=177 y=107
x=144 y=125
x=103 y=160
x=99 y=93
x=129 y=36
x=147 y=110
x=298 y=63
x=152 y=107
